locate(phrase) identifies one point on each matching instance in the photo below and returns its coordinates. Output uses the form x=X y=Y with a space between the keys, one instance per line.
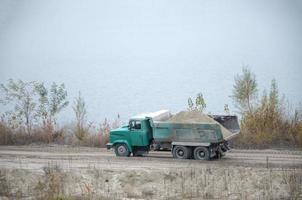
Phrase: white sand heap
x=160 y=115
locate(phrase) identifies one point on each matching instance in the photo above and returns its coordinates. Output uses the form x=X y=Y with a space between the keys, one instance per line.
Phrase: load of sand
x=198 y=117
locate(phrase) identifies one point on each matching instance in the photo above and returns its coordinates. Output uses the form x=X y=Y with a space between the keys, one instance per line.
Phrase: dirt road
x=37 y=157
x=28 y=172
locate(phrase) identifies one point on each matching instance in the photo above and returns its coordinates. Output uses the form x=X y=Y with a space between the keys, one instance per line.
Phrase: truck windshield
x=135 y=124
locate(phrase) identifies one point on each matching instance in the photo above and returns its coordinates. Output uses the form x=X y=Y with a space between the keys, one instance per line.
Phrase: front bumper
x=109 y=146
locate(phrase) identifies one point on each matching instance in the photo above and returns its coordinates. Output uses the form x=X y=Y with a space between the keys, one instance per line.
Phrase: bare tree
x=80 y=111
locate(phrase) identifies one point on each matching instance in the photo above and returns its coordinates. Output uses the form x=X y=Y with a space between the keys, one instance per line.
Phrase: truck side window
x=135 y=125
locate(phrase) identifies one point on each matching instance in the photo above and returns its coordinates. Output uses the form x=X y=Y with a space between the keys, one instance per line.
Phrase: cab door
x=136 y=133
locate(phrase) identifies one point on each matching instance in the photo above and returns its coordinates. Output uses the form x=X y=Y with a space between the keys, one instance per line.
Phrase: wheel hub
x=201 y=154
x=180 y=152
x=121 y=149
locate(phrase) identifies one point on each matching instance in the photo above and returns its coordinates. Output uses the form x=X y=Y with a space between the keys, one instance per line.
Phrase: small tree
x=80 y=111
x=57 y=99
x=244 y=90
x=274 y=96
x=226 y=109
x=190 y=104
x=21 y=96
x=43 y=102
x=51 y=102
x=104 y=132
x=199 y=105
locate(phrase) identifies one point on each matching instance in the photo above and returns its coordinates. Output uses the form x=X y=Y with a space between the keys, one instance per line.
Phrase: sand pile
x=191 y=117
x=198 y=117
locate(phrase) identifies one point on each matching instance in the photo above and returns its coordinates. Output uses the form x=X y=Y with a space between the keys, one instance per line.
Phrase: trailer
x=200 y=141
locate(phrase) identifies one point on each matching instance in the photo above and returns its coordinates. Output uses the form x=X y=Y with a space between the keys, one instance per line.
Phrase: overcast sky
x=115 y=51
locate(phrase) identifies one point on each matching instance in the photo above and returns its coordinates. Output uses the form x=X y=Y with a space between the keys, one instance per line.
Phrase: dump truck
x=202 y=140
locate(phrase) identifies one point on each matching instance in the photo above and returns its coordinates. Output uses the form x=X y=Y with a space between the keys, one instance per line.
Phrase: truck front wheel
x=201 y=153
x=121 y=150
x=181 y=152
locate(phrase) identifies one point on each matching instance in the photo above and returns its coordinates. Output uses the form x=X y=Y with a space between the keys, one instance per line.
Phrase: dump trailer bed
x=218 y=129
x=177 y=132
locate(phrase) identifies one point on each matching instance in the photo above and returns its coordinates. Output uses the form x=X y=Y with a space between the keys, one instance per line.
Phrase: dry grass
x=6 y=134
x=94 y=136
x=5 y=187
x=188 y=183
x=9 y=136
x=269 y=125
x=256 y=134
x=51 y=186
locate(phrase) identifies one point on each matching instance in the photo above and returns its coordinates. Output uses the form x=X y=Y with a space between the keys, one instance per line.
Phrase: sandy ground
x=37 y=172
x=36 y=157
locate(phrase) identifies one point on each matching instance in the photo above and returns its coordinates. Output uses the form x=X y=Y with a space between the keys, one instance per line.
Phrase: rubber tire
x=178 y=149
x=121 y=150
x=198 y=150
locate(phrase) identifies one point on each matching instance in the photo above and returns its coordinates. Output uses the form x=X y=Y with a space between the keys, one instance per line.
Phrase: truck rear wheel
x=121 y=150
x=181 y=152
x=201 y=153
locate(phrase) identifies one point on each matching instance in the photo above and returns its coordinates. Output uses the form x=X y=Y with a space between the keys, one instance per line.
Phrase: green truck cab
x=201 y=141
x=134 y=138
